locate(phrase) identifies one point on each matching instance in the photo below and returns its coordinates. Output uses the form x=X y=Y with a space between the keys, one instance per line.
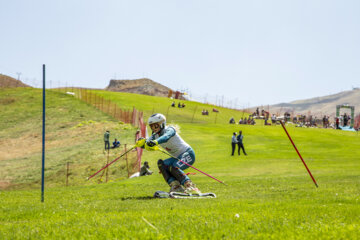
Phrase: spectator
x=137 y=135
x=240 y=144
x=337 y=123
x=233 y=143
x=345 y=120
x=106 y=139
x=179 y=105
x=116 y=144
x=205 y=112
x=183 y=105
x=144 y=170
x=273 y=119
x=173 y=104
x=232 y=121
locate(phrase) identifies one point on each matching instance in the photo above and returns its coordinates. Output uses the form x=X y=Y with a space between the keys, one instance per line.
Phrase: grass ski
x=162 y=194
x=186 y=195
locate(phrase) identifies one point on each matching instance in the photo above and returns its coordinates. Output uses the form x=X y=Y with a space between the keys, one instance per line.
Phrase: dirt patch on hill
x=6 y=82
x=4 y=185
x=30 y=143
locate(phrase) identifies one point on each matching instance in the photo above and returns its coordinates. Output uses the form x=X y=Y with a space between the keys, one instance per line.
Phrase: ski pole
x=283 y=125
x=107 y=165
x=163 y=151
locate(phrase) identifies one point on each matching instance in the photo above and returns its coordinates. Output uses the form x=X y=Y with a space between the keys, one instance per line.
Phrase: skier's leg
x=243 y=149
x=166 y=171
x=189 y=158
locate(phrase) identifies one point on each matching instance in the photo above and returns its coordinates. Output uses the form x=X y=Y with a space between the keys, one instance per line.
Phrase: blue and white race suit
x=177 y=147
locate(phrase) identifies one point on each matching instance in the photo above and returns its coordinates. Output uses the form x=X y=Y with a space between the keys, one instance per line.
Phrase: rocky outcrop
x=140 y=86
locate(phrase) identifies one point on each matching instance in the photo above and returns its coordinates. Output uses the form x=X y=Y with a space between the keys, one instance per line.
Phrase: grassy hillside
x=269 y=189
x=74 y=134
x=191 y=113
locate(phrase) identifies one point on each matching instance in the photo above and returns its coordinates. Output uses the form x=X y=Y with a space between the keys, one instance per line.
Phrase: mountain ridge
x=325 y=105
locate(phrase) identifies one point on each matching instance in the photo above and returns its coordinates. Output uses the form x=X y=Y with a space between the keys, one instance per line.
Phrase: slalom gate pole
x=163 y=151
x=283 y=125
x=43 y=140
x=107 y=165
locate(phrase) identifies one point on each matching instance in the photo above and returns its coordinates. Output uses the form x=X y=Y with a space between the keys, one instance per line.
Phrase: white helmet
x=158 y=118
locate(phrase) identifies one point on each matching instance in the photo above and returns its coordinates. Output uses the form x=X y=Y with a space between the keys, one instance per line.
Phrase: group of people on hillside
x=326 y=122
x=205 y=112
x=249 y=121
x=237 y=140
x=180 y=105
x=115 y=144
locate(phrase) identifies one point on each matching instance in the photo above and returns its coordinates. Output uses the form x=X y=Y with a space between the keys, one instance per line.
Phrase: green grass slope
x=191 y=112
x=74 y=134
x=269 y=189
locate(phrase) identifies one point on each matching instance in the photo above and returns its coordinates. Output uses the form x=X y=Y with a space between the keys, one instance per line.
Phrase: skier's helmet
x=159 y=119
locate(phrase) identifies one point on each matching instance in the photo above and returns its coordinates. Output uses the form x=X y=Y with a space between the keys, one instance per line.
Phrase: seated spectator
x=173 y=104
x=273 y=118
x=116 y=144
x=215 y=110
x=241 y=121
x=179 y=105
x=232 y=121
x=183 y=105
x=205 y=112
x=144 y=170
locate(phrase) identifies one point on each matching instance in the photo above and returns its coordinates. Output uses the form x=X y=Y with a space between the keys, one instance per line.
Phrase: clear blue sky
x=252 y=52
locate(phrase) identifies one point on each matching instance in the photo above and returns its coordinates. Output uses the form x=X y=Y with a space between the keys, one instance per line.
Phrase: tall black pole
x=43 y=139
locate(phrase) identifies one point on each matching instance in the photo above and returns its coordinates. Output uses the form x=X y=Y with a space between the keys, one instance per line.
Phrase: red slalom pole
x=111 y=162
x=283 y=125
x=192 y=166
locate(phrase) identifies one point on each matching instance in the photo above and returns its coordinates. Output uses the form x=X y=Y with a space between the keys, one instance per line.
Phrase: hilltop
x=6 y=81
x=140 y=86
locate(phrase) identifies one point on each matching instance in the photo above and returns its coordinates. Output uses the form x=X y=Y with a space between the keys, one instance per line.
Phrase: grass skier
x=171 y=168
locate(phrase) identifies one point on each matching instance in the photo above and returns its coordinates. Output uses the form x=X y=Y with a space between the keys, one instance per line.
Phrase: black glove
x=152 y=143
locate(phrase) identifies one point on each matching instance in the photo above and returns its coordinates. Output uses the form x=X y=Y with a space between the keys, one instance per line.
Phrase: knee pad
x=160 y=163
x=177 y=173
x=164 y=170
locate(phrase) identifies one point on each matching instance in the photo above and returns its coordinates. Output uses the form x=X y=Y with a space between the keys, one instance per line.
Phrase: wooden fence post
x=192 y=120
x=67 y=173
x=127 y=164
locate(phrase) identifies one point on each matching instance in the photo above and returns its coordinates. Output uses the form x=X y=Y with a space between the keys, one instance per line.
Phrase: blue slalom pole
x=43 y=140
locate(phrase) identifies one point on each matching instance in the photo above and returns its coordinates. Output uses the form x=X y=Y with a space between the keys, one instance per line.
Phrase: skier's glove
x=151 y=145
x=140 y=142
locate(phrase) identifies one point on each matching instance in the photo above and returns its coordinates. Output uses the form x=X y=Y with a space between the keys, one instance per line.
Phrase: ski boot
x=190 y=188
x=175 y=186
